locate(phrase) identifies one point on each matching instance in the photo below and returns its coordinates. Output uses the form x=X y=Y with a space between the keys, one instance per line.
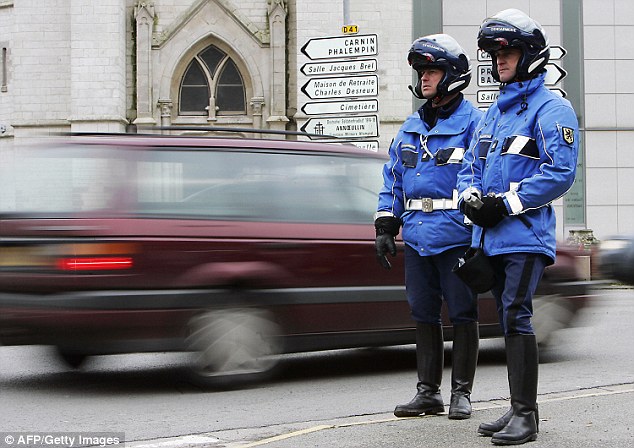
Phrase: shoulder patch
x=568 y=134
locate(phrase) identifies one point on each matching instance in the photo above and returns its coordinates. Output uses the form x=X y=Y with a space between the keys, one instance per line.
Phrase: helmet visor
x=492 y=44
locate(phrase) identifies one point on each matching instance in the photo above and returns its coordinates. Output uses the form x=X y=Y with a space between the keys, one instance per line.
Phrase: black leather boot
x=488 y=429
x=429 y=363
x=464 y=360
x=522 y=365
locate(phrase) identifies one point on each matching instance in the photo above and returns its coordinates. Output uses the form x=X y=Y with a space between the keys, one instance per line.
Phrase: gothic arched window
x=212 y=79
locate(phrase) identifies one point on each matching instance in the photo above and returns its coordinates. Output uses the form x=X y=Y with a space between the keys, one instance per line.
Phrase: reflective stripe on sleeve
x=514 y=202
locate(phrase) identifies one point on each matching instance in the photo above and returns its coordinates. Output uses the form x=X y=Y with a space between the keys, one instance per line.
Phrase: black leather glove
x=466 y=210
x=490 y=214
x=387 y=228
x=471 y=199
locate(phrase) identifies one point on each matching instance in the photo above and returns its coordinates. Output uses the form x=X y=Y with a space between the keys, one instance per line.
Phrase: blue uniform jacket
x=424 y=163
x=528 y=154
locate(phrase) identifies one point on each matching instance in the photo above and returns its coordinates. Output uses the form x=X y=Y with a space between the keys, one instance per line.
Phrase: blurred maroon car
x=236 y=250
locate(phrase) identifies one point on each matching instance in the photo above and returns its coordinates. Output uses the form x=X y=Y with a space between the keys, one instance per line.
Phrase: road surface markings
x=493 y=404
x=209 y=440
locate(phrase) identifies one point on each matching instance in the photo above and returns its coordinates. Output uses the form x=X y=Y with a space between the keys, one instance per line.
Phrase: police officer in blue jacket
x=420 y=193
x=523 y=157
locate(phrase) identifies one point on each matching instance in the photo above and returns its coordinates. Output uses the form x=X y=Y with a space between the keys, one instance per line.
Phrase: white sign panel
x=488 y=96
x=339 y=87
x=339 y=67
x=557 y=52
x=370 y=145
x=341 y=107
x=341 y=47
x=483 y=55
x=554 y=74
x=343 y=127
x=485 y=78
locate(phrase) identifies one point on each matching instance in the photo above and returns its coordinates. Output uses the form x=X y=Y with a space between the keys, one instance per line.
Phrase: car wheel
x=550 y=314
x=232 y=347
x=73 y=360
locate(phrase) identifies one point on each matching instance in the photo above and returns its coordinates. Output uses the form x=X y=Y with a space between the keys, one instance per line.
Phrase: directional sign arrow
x=340 y=107
x=341 y=46
x=339 y=87
x=482 y=55
x=370 y=145
x=554 y=74
x=344 y=127
x=485 y=76
x=488 y=96
x=339 y=67
x=557 y=52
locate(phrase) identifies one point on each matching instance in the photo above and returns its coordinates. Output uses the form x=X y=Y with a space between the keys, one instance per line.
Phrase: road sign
x=339 y=87
x=341 y=107
x=341 y=46
x=350 y=29
x=370 y=145
x=485 y=78
x=488 y=96
x=483 y=55
x=554 y=74
x=344 y=127
x=557 y=52
x=339 y=67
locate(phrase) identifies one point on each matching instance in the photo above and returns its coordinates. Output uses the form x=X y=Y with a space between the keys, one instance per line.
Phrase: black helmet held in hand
x=440 y=51
x=512 y=28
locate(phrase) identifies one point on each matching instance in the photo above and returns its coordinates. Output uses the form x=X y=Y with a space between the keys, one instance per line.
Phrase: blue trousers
x=517 y=277
x=429 y=279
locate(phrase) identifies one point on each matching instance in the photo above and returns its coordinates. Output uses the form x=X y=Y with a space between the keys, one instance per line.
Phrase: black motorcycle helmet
x=441 y=51
x=512 y=28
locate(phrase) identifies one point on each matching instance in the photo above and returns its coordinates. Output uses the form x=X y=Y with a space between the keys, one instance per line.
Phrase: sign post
x=345 y=77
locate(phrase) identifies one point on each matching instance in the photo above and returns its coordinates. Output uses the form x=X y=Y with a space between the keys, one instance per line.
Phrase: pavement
x=597 y=417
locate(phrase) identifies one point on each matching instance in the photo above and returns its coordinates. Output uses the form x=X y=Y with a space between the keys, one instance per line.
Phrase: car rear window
x=221 y=184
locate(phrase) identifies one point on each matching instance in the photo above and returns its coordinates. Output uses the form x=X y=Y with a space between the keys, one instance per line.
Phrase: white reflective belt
x=428 y=205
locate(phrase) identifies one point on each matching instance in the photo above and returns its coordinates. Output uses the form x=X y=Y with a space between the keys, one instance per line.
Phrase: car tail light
x=95 y=257
x=94 y=263
x=68 y=257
